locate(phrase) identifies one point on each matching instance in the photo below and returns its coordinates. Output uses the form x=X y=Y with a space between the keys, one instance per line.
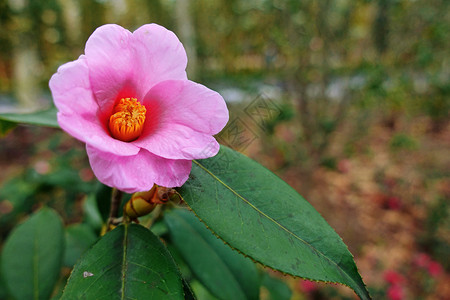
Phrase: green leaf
x=201 y=292
x=159 y=228
x=129 y=262
x=278 y=289
x=260 y=215
x=6 y=127
x=188 y=294
x=226 y=273
x=40 y=118
x=3 y=291
x=32 y=256
x=92 y=214
x=79 y=238
x=103 y=198
x=17 y=195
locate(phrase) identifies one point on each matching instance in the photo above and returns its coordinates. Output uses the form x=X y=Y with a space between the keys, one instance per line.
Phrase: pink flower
x=128 y=98
x=435 y=269
x=395 y=292
x=422 y=260
x=307 y=286
x=393 y=277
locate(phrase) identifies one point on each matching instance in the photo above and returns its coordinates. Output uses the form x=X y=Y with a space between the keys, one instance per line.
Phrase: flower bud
x=138 y=207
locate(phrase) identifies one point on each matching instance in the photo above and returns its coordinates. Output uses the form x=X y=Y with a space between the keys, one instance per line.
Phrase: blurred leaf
x=185 y=271
x=402 y=141
x=15 y=199
x=159 y=228
x=188 y=294
x=91 y=213
x=201 y=292
x=129 y=262
x=40 y=118
x=6 y=127
x=329 y=162
x=65 y=177
x=226 y=273
x=277 y=288
x=3 y=291
x=79 y=237
x=32 y=256
x=260 y=215
x=103 y=198
x=59 y=288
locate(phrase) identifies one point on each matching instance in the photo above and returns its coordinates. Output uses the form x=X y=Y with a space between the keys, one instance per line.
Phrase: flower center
x=127 y=120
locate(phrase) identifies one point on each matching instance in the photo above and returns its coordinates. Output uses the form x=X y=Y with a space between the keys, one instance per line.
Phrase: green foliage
x=244 y=204
x=438 y=106
x=438 y=218
x=258 y=214
x=298 y=46
x=127 y=263
x=45 y=118
x=92 y=215
x=61 y=186
x=3 y=292
x=402 y=141
x=226 y=273
x=6 y=126
x=102 y=198
x=79 y=237
x=286 y=113
x=188 y=293
x=278 y=289
x=200 y=291
x=329 y=162
x=17 y=194
x=32 y=256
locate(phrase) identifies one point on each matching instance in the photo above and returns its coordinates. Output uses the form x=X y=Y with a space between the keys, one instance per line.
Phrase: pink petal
x=77 y=109
x=159 y=56
x=187 y=115
x=137 y=173
x=120 y=60
x=110 y=59
x=73 y=77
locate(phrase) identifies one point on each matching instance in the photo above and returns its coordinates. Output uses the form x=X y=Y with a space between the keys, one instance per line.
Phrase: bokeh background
x=352 y=100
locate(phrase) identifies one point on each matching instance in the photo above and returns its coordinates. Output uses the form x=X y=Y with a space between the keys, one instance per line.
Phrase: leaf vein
x=124 y=260
x=271 y=219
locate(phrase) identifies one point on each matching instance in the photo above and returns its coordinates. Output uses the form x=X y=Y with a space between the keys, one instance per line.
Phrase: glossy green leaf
x=129 y=262
x=257 y=213
x=79 y=238
x=226 y=273
x=40 y=118
x=32 y=256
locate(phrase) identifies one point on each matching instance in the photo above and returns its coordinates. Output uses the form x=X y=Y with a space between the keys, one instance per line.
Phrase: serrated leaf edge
x=282 y=227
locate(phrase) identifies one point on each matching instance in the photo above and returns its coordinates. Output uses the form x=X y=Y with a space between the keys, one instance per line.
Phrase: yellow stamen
x=127 y=120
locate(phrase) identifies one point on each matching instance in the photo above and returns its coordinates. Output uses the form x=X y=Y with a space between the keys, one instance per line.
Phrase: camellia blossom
x=128 y=98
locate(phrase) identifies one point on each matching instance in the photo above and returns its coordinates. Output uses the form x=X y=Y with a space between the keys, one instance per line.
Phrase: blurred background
x=348 y=101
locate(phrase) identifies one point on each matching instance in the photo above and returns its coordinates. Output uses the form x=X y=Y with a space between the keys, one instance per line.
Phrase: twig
x=116 y=199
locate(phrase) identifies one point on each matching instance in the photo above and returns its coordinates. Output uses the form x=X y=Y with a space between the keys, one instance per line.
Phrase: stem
x=116 y=199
